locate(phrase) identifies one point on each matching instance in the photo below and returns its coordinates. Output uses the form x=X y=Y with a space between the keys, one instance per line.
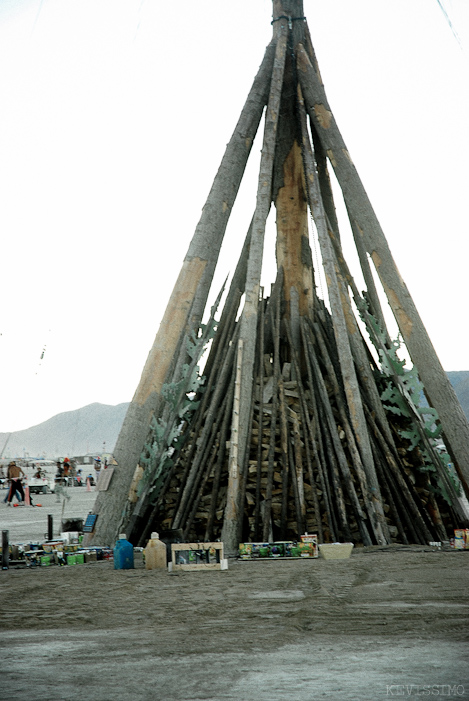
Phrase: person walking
x=14 y=474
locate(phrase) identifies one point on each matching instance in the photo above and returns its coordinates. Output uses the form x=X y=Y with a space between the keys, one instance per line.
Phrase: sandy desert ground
x=386 y=623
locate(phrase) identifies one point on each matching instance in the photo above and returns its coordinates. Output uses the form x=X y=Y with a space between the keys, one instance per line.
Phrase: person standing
x=97 y=468
x=15 y=473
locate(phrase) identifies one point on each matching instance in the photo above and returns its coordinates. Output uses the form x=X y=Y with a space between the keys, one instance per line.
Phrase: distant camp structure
x=304 y=418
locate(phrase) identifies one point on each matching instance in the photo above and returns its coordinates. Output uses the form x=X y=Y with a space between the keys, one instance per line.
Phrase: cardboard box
x=197 y=556
x=245 y=551
x=91 y=556
x=335 y=551
x=306 y=549
x=460 y=539
x=310 y=539
x=260 y=549
x=52 y=545
x=277 y=549
x=292 y=549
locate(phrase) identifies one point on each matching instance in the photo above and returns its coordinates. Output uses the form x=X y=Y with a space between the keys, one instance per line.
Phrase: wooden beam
x=248 y=323
x=347 y=367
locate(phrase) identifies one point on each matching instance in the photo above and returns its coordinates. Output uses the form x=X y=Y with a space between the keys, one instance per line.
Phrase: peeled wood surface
x=292 y=234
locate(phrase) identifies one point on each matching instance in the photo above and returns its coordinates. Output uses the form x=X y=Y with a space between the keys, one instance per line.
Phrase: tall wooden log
x=437 y=384
x=248 y=323
x=257 y=508
x=292 y=249
x=354 y=453
x=266 y=526
x=358 y=347
x=185 y=307
x=349 y=377
x=284 y=454
x=403 y=488
x=212 y=412
x=306 y=431
x=341 y=457
x=316 y=442
x=220 y=460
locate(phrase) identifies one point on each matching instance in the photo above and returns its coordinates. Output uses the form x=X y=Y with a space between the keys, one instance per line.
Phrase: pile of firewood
x=303 y=471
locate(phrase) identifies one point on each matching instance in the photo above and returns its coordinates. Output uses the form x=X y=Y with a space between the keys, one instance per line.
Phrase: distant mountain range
x=460 y=381
x=95 y=428
x=91 y=429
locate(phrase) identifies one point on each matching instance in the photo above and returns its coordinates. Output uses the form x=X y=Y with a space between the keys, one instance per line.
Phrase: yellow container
x=155 y=554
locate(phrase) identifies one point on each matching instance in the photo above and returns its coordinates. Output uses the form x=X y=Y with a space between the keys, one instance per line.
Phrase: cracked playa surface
x=386 y=622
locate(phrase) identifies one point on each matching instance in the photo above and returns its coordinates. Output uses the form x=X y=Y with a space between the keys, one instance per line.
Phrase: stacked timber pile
x=303 y=470
x=304 y=418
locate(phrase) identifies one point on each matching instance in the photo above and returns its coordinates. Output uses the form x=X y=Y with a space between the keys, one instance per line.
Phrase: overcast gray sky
x=114 y=115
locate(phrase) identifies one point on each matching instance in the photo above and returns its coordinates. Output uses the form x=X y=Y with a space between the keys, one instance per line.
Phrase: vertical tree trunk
x=248 y=323
x=293 y=251
x=352 y=390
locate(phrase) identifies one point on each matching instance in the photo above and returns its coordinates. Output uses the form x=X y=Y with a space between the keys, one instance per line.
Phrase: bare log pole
x=220 y=460
x=132 y=524
x=212 y=411
x=403 y=488
x=357 y=345
x=305 y=420
x=437 y=384
x=219 y=376
x=216 y=368
x=261 y=422
x=299 y=471
x=205 y=458
x=316 y=442
x=354 y=453
x=349 y=377
x=294 y=483
x=292 y=247
x=298 y=452
x=230 y=309
x=339 y=452
x=386 y=491
x=273 y=425
x=244 y=474
x=248 y=321
x=284 y=454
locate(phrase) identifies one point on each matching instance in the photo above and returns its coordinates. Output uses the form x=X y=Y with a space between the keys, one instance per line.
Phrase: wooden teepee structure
x=303 y=418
